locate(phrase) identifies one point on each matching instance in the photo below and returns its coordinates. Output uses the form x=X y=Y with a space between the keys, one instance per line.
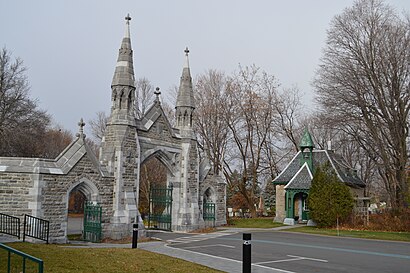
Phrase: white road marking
x=232 y=260
x=197 y=238
x=182 y=240
x=275 y=269
x=294 y=258
x=280 y=261
x=209 y=246
x=306 y=258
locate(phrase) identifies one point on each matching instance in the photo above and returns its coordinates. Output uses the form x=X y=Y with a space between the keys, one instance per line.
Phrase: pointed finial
x=81 y=124
x=186 y=64
x=128 y=19
x=157 y=93
x=127 y=26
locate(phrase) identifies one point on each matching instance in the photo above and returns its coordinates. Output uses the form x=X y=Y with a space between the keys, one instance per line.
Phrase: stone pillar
x=186 y=206
x=280 y=203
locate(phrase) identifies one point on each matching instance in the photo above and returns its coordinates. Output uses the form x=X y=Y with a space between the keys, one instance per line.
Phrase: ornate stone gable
x=159 y=129
x=155 y=123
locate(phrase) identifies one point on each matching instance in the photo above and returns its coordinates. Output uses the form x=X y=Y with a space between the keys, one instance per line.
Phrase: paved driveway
x=280 y=251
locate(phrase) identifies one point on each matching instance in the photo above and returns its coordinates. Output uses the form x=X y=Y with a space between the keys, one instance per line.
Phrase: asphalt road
x=296 y=252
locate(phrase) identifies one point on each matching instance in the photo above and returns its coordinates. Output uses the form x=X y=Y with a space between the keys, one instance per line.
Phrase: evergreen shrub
x=329 y=199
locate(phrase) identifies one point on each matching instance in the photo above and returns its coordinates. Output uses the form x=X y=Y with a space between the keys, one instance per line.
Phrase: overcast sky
x=70 y=47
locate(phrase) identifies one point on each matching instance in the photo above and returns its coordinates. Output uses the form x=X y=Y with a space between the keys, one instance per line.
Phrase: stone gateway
x=41 y=187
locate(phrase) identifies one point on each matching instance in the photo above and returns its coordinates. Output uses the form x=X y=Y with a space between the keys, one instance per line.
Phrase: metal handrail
x=24 y=256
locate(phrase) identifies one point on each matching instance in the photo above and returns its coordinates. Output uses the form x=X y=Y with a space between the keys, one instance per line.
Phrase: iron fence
x=209 y=213
x=10 y=225
x=160 y=208
x=36 y=228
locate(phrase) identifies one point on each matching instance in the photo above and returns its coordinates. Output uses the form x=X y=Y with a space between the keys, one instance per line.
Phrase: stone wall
x=15 y=189
x=45 y=195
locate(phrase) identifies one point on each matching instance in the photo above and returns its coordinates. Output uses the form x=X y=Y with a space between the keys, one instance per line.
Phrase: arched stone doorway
x=77 y=195
x=153 y=173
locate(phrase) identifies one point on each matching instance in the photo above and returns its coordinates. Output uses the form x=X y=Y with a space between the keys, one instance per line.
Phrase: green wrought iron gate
x=92 y=222
x=160 y=208
x=209 y=213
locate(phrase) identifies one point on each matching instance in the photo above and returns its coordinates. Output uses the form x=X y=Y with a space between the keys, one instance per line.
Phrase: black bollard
x=246 y=253
x=134 y=235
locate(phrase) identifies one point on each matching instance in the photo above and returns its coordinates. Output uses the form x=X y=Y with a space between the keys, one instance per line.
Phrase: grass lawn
x=58 y=259
x=253 y=223
x=365 y=234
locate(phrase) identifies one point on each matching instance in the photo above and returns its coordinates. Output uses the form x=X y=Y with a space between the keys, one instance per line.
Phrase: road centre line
x=208 y=246
x=400 y=256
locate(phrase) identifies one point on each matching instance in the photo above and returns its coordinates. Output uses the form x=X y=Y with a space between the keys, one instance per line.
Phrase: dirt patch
x=127 y=240
x=204 y=230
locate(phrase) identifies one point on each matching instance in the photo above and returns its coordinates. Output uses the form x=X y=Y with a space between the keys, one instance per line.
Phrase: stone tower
x=119 y=147
x=187 y=195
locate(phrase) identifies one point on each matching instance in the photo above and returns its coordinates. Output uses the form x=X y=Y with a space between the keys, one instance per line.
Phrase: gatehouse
x=193 y=195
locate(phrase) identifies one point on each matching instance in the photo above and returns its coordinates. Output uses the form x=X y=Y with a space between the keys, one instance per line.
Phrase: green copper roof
x=306 y=141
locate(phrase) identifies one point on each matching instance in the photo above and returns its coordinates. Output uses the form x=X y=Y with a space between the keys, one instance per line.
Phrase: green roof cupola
x=306 y=141
x=306 y=147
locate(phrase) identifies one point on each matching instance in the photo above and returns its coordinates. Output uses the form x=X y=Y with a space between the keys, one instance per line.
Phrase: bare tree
x=283 y=137
x=339 y=141
x=287 y=107
x=22 y=123
x=144 y=96
x=248 y=113
x=56 y=139
x=209 y=119
x=98 y=125
x=363 y=84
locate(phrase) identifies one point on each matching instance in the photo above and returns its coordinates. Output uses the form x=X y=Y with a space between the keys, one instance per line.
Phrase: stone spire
x=124 y=70
x=185 y=104
x=123 y=82
x=119 y=150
